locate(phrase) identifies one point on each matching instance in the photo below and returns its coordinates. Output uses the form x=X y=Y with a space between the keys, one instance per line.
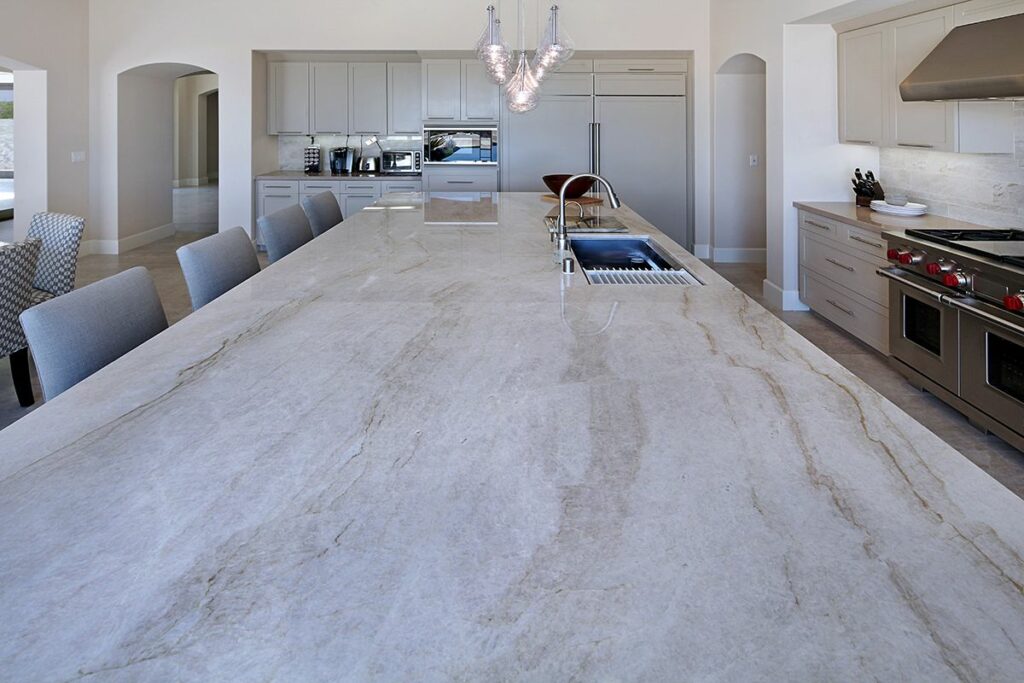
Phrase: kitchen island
x=413 y=450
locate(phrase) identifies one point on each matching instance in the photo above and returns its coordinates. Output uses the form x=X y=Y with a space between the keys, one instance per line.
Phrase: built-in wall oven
x=465 y=145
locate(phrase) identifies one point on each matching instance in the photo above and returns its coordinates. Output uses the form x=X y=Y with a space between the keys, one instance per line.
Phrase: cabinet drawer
x=402 y=186
x=823 y=226
x=315 y=186
x=568 y=84
x=850 y=272
x=365 y=187
x=860 y=318
x=461 y=180
x=277 y=186
x=867 y=242
x=640 y=84
x=668 y=66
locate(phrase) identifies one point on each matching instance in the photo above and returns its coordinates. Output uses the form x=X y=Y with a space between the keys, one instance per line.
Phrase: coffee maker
x=343 y=161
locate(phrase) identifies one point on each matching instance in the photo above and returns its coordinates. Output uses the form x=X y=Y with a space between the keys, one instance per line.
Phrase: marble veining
x=413 y=451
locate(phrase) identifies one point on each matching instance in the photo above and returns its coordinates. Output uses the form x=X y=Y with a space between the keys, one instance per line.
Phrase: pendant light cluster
x=520 y=75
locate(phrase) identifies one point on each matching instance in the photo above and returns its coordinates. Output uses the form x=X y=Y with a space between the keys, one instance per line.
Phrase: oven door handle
x=895 y=275
x=984 y=315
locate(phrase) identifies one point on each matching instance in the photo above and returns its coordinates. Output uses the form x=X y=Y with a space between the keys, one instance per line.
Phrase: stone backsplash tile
x=987 y=189
x=291 y=148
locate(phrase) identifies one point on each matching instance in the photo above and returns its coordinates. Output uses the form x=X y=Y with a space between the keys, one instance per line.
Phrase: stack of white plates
x=911 y=209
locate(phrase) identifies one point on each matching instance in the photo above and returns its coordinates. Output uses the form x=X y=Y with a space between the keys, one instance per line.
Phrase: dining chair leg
x=22 y=378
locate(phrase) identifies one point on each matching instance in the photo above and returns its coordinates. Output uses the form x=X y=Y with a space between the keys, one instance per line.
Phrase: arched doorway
x=159 y=150
x=740 y=204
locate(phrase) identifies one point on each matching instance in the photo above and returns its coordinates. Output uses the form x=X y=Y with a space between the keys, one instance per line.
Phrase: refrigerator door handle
x=595 y=148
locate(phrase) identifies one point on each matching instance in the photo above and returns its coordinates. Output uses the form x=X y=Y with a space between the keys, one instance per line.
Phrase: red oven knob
x=955 y=280
x=893 y=254
x=1014 y=302
x=909 y=258
x=938 y=268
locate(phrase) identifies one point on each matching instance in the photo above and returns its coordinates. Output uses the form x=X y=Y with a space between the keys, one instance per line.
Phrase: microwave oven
x=401 y=161
x=466 y=145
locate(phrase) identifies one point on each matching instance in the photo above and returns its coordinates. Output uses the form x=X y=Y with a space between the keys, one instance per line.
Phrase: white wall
x=803 y=158
x=49 y=37
x=145 y=149
x=127 y=33
x=740 y=197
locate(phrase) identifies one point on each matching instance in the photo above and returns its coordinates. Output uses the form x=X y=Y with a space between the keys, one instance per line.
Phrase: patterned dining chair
x=17 y=268
x=61 y=235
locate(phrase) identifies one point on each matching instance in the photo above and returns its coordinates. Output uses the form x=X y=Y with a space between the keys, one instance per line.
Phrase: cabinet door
x=354 y=203
x=863 y=86
x=329 y=84
x=553 y=138
x=649 y=178
x=442 y=89
x=289 y=98
x=928 y=125
x=404 y=101
x=984 y=10
x=368 y=98
x=479 y=93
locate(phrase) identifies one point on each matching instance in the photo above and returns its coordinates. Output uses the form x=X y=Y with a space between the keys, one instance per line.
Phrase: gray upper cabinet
x=984 y=10
x=926 y=125
x=862 y=86
x=404 y=100
x=288 y=98
x=442 y=89
x=368 y=93
x=479 y=94
x=329 y=97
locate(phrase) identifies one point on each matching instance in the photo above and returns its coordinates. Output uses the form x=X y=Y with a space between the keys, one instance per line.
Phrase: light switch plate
x=77 y=157
x=754 y=160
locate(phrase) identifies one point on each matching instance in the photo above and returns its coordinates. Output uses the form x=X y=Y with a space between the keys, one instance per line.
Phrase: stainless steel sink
x=628 y=260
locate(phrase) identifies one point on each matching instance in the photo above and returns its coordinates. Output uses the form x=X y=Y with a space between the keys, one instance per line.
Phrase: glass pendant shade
x=522 y=91
x=493 y=51
x=555 y=49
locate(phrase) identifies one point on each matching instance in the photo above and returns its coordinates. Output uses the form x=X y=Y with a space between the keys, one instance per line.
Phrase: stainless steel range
x=956 y=325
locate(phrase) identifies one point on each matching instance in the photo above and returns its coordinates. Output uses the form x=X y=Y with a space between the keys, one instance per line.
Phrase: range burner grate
x=981 y=235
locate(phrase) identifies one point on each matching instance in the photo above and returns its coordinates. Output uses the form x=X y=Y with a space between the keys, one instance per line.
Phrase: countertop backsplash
x=987 y=189
x=290 y=148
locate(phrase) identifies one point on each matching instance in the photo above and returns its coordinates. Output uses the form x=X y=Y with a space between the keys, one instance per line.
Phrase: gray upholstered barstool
x=323 y=212
x=217 y=263
x=284 y=231
x=76 y=334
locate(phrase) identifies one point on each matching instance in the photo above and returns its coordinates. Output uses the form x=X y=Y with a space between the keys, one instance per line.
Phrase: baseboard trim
x=90 y=247
x=702 y=251
x=739 y=255
x=785 y=299
x=144 y=238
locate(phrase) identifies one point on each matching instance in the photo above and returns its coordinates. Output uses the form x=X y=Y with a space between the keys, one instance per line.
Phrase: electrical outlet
x=77 y=157
x=754 y=160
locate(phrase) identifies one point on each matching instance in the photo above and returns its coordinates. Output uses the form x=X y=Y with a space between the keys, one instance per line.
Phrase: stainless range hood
x=974 y=62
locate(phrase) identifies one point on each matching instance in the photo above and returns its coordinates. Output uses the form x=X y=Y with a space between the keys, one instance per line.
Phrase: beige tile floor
x=995 y=457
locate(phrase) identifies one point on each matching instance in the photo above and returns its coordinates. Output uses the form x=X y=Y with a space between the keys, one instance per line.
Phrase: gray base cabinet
x=838 y=279
x=443 y=178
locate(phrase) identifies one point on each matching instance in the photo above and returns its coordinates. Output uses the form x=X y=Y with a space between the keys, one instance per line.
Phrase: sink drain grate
x=636 y=276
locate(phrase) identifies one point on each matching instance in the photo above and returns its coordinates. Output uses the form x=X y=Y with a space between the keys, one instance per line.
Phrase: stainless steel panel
x=992 y=369
x=938 y=360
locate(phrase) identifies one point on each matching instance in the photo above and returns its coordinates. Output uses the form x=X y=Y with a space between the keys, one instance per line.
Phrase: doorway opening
x=168 y=154
x=196 y=152
x=740 y=227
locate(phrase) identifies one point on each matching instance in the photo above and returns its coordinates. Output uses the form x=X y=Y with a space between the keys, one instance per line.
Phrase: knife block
x=863 y=201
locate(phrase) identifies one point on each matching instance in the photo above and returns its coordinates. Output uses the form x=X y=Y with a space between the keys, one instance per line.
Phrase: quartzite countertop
x=408 y=452
x=849 y=212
